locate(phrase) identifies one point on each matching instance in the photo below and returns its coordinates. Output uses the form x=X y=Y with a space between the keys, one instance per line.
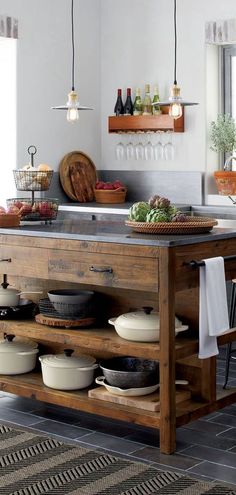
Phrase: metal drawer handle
x=6 y=259
x=101 y=270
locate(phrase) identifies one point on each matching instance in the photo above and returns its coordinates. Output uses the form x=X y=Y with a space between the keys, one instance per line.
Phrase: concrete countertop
x=111 y=231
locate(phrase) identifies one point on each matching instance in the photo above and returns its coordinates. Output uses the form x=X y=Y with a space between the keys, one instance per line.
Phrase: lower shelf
x=30 y=385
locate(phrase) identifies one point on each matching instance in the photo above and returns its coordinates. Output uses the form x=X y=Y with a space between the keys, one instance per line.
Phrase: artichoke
x=138 y=211
x=158 y=215
x=153 y=200
x=179 y=217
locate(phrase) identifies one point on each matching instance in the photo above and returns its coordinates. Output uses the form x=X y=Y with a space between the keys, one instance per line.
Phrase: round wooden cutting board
x=78 y=176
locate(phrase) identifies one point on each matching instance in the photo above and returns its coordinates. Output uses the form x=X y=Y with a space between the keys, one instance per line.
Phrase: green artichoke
x=138 y=211
x=158 y=215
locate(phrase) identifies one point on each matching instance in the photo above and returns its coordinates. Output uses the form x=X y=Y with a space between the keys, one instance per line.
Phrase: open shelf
x=145 y=123
x=101 y=339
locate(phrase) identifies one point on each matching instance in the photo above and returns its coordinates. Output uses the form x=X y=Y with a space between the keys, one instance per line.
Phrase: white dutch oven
x=11 y=297
x=17 y=357
x=67 y=372
x=142 y=326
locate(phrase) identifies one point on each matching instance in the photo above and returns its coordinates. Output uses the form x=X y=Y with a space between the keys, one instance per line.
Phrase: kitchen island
x=127 y=270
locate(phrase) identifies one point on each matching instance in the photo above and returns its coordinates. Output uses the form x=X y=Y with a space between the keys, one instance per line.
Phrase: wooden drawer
x=24 y=261
x=128 y=272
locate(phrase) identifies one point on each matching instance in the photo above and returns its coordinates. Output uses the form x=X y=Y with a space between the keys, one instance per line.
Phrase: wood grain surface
x=69 y=171
x=83 y=179
x=149 y=402
x=62 y=322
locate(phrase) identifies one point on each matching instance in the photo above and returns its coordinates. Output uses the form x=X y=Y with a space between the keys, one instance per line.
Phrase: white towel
x=213 y=308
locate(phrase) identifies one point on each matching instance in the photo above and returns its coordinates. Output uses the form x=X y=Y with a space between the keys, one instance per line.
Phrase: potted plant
x=223 y=137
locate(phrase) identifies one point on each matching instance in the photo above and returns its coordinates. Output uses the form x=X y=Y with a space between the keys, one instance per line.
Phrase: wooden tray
x=197 y=225
x=78 y=176
x=60 y=322
x=9 y=220
x=149 y=402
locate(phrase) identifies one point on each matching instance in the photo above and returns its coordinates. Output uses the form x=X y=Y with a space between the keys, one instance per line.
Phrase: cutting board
x=149 y=402
x=83 y=179
x=78 y=176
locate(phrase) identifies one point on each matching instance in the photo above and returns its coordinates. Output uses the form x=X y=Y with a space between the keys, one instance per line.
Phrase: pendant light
x=175 y=102
x=72 y=106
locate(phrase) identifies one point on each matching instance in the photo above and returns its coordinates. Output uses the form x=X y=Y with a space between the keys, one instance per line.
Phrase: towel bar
x=196 y=264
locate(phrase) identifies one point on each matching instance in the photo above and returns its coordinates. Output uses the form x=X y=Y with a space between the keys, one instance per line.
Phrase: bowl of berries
x=110 y=192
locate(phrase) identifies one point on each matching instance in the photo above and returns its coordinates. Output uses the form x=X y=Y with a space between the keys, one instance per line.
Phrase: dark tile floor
x=206 y=448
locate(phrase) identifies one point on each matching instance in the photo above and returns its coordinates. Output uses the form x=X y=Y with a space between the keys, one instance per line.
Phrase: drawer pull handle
x=6 y=259
x=101 y=270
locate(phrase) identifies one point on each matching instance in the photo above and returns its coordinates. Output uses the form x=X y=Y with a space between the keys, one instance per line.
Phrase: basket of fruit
x=110 y=192
x=37 y=209
x=31 y=178
x=158 y=216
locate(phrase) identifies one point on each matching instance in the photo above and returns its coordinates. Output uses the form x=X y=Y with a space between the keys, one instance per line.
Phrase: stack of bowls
x=71 y=303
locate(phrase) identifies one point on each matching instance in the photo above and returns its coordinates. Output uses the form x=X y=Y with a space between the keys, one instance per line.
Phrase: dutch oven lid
x=10 y=345
x=145 y=319
x=66 y=360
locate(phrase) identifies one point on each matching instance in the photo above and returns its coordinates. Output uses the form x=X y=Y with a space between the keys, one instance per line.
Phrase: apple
x=26 y=209
x=18 y=204
x=13 y=210
x=45 y=209
x=117 y=183
x=99 y=184
x=108 y=186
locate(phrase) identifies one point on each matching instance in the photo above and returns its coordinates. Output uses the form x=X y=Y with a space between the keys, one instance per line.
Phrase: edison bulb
x=175 y=110
x=72 y=114
x=72 y=104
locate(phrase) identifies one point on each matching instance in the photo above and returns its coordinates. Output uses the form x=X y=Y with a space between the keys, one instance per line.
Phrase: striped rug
x=31 y=464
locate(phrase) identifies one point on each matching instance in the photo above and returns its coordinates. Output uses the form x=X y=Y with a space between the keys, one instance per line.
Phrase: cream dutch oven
x=67 y=372
x=142 y=326
x=18 y=356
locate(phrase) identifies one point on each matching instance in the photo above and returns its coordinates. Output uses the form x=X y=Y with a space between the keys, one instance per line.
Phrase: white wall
x=44 y=77
x=120 y=43
x=138 y=47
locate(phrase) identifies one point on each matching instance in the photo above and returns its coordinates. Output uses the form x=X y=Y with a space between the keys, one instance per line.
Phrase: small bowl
x=70 y=302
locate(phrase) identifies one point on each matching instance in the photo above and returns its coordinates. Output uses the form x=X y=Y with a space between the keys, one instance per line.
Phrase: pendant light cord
x=175 y=31
x=73 y=45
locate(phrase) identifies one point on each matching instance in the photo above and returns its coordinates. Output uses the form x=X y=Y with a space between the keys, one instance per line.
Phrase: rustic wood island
x=128 y=271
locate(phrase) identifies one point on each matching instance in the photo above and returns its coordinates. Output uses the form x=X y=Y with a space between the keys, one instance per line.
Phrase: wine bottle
x=137 y=110
x=128 y=106
x=147 y=102
x=156 y=109
x=119 y=107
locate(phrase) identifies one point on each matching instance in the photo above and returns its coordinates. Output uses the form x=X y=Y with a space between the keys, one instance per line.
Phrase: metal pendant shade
x=72 y=105
x=175 y=102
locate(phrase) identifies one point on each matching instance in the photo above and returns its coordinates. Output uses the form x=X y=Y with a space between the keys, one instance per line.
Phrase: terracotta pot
x=225 y=182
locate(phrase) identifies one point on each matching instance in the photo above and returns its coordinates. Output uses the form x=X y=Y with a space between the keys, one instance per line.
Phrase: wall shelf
x=145 y=123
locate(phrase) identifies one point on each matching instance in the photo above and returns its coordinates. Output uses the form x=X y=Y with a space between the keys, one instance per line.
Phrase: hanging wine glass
x=139 y=149
x=169 y=150
x=129 y=149
x=148 y=150
x=158 y=147
x=120 y=151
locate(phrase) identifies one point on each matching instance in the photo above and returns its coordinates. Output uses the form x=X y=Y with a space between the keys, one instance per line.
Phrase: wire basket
x=32 y=180
x=36 y=209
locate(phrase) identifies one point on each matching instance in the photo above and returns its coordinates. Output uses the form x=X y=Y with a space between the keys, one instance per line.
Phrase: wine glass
x=169 y=150
x=139 y=150
x=129 y=150
x=158 y=147
x=148 y=150
x=120 y=151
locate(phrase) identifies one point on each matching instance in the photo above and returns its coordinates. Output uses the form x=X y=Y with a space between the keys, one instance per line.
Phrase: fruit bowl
x=38 y=209
x=110 y=195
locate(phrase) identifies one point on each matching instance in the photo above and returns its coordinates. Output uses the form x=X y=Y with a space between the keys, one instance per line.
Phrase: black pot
x=130 y=372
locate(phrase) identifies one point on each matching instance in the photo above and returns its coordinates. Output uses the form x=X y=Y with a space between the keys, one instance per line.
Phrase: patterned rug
x=31 y=464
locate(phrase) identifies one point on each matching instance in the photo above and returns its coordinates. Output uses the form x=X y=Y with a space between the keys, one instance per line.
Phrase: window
x=7 y=117
x=229 y=79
